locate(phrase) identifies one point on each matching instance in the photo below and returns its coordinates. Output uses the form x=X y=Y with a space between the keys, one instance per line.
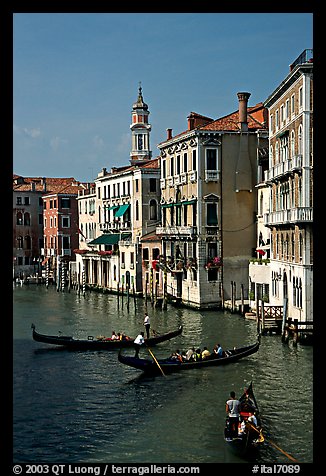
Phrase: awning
x=122 y=210
x=113 y=207
x=106 y=239
x=167 y=205
x=110 y=238
x=188 y=202
x=45 y=260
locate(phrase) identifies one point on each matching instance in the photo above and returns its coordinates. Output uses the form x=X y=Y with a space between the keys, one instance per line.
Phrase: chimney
x=243 y=103
x=169 y=136
x=191 y=122
x=43 y=182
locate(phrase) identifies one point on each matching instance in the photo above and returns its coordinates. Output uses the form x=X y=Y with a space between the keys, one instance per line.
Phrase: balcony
x=212 y=175
x=286 y=167
x=176 y=230
x=293 y=215
x=115 y=226
x=193 y=176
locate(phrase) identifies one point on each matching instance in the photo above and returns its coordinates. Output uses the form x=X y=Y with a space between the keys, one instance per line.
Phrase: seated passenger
x=198 y=354
x=218 y=350
x=252 y=419
x=190 y=354
x=205 y=353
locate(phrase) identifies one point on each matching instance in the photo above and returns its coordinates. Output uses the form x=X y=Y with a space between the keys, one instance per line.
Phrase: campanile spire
x=140 y=130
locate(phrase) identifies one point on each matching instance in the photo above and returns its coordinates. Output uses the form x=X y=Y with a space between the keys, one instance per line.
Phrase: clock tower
x=140 y=131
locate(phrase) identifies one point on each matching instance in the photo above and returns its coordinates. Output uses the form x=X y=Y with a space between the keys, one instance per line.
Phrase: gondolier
x=232 y=408
x=138 y=342
x=147 y=324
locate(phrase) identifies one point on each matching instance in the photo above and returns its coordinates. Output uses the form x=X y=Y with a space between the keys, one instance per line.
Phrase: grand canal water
x=73 y=406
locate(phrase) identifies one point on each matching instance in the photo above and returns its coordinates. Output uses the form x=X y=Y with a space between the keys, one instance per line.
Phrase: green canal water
x=78 y=406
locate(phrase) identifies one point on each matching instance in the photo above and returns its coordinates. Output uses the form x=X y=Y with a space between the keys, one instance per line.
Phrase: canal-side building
x=209 y=204
x=126 y=209
x=61 y=226
x=287 y=213
x=29 y=252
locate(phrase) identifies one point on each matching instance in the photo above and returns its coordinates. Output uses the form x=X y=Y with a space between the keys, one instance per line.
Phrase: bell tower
x=140 y=131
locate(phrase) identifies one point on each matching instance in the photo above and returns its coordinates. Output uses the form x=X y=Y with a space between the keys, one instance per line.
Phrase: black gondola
x=154 y=367
x=94 y=343
x=248 y=436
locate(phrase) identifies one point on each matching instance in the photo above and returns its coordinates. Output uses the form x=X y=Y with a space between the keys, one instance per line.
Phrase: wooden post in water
x=222 y=294
x=83 y=280
x=232 y=296
x=257 y=312
x=152 y=287
x=242 y=299
x=146 y=286
x=165 y=289
x=295 y=332
x=134 y=294
x=127 y=287
x=262 y=317
x=285 y=307
x=118 y=295
x=122 y=290
x=47 y=272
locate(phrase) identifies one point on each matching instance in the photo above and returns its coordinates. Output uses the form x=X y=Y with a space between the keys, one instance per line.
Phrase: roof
x=257 y=119
x=47 y=185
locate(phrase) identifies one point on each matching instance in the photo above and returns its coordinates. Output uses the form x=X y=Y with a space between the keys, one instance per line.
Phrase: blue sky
x=76 y=77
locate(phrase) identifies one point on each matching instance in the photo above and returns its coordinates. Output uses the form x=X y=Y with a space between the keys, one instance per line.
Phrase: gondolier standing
x=232 y=408
x=147 y=324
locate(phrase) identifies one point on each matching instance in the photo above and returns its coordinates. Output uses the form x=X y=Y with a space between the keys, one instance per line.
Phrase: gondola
x=248 y=437
x=100 y=343
x=155 y=367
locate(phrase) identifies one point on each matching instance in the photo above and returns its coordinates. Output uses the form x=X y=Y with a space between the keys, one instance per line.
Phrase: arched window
x=27 y=219
x=19 y=218
x=20 y=242
x=28 y=242
x=153 y=210
x=300 y=145
x=292 y=145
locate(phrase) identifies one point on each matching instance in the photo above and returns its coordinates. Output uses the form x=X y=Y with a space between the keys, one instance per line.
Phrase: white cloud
x=56 y=142
x=33 y=132
x=98 y=142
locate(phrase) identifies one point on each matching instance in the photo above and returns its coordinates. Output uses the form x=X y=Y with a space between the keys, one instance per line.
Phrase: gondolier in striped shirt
x=233 y=410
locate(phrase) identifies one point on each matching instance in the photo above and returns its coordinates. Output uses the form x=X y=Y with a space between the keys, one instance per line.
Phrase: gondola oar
x=273 y=444
x=155 y=360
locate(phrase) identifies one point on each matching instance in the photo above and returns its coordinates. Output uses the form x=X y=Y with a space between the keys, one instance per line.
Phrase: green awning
x=113 y=207
x=188 y=202
x=167 y=205
x=122 y=210
x=106 y=239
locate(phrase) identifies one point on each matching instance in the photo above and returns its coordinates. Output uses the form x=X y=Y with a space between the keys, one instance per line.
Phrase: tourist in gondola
x=205 y=353
x=190 y=354
x=232 y=408
x=218 y=351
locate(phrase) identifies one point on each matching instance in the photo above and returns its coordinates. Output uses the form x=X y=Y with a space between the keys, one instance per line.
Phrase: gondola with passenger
x=246 y=437
x=165 y=366
x=101 y=342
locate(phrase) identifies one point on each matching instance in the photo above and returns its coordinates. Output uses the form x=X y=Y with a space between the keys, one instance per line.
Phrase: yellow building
x=209 y=205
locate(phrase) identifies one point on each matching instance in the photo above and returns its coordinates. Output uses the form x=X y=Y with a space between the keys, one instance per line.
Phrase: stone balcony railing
x=293 y=215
